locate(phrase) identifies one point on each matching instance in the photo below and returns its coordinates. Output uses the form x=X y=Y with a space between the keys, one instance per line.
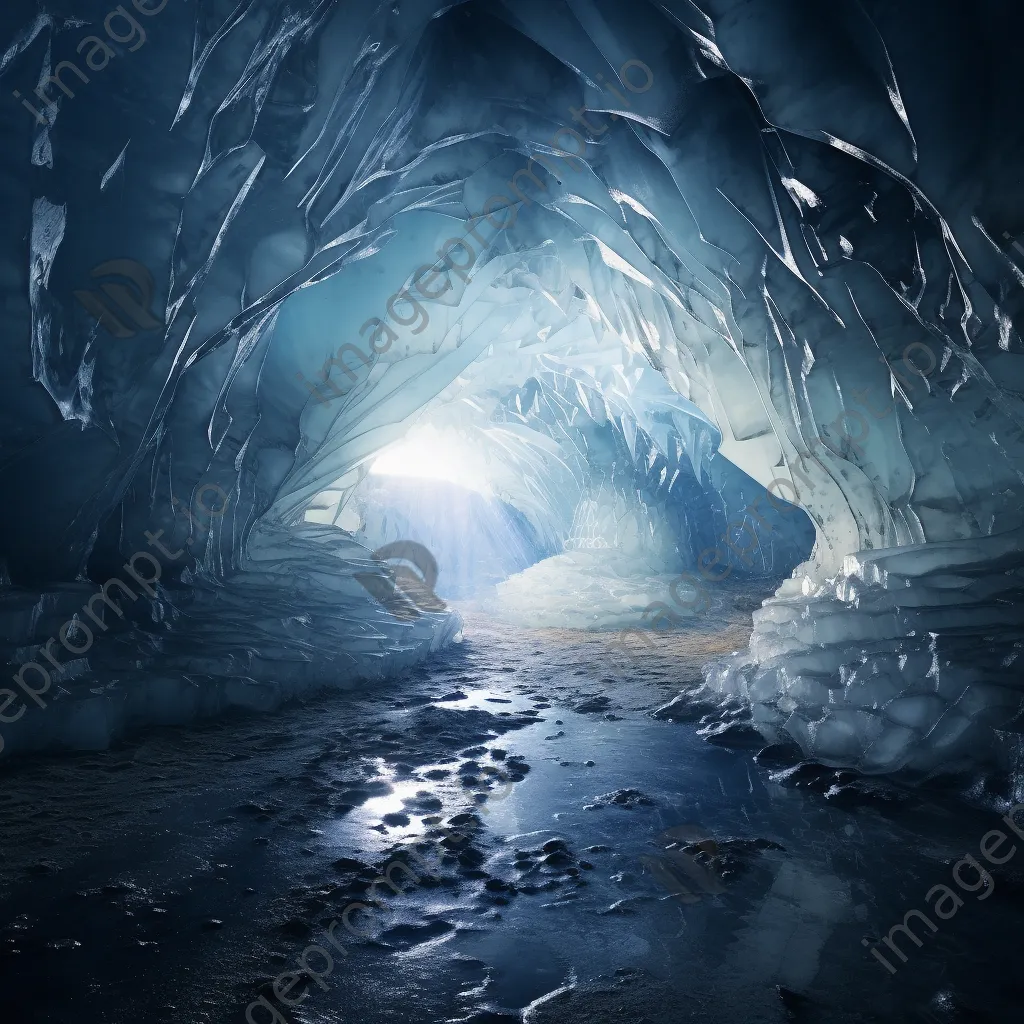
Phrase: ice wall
x=655 y=497
x=907 y=661
x=802 y=214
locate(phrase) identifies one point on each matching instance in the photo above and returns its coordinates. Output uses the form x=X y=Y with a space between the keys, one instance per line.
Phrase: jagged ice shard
x=643 y=266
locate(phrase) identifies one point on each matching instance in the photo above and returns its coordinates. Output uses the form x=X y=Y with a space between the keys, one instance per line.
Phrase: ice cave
x=513 y=511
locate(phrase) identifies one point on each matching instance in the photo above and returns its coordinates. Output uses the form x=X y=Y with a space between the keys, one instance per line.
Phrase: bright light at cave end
x=432 y=455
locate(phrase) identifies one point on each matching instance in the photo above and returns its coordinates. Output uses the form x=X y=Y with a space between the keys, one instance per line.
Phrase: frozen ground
x=170 y=878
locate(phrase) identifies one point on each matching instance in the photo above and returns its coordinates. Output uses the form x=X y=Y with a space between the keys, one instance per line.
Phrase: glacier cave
x=514 y=511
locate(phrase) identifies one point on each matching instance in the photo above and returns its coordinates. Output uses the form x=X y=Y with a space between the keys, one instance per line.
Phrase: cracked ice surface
x=799 y=218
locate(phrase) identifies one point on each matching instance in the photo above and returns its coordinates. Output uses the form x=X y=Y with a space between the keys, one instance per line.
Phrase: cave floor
x=174 y=877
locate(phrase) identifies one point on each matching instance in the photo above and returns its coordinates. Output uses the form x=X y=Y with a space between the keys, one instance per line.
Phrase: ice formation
x=647 y=259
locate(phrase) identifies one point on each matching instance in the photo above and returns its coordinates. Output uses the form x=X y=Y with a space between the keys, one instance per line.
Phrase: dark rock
x=471 y=858
x=735 y=735
x=404 y=936
x=557 y=860
x=779 y=755
x=592 y=705
x=346 y=864
x=627 y=798
x=297 y=928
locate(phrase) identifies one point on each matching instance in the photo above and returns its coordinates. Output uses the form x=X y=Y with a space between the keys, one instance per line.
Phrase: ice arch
x=801 y=215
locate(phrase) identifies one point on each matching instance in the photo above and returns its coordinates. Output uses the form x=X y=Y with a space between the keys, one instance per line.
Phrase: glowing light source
x=435 y=455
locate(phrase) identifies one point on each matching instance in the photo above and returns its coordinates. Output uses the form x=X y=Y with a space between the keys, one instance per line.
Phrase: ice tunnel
x=637 y=260
x=592 y=321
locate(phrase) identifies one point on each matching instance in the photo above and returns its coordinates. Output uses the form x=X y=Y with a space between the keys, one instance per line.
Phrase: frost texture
x=802 y=217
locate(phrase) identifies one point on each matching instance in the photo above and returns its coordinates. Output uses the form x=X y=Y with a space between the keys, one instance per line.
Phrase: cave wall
x=803 y=214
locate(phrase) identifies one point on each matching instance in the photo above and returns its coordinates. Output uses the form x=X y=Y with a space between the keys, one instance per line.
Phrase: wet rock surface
x=437 y=818
x=627 y=798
